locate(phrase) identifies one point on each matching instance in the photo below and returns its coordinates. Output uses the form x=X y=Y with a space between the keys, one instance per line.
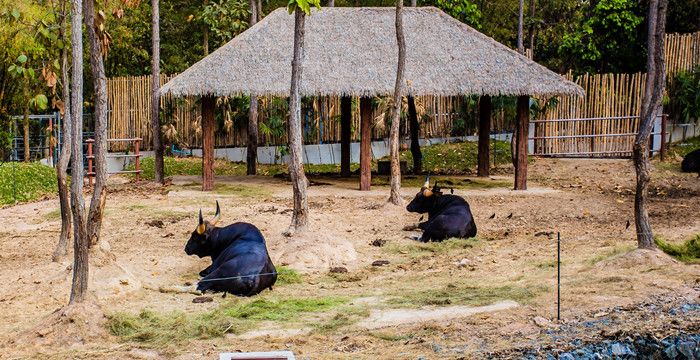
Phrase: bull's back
x=691 y=162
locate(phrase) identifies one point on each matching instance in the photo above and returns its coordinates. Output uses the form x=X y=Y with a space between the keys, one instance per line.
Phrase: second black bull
x=448 y=215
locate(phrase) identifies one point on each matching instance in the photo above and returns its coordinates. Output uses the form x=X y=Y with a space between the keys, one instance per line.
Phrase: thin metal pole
x=558 y=276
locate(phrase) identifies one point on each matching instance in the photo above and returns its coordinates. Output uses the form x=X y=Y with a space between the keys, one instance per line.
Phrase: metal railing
x=90 y=157
x=600 y=143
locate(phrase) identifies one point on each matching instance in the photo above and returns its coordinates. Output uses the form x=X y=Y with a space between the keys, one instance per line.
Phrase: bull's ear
x=217 y=216
x=201 y=227
x=427 y=193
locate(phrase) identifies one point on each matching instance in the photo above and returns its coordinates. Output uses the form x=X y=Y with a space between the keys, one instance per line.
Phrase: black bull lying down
x=240 y=262
x=448 y=215
x=691 y=162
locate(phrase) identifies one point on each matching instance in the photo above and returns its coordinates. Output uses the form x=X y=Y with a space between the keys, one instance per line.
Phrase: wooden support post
x=137 y=153
x=90 y=158
x=484 y=135
x=365 y=143
x=208 y=125
x=663 y=136
x=345 y=134
x=523 y=123
x=415 y=135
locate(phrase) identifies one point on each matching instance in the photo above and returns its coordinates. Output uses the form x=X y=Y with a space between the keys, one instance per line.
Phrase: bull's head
x=425 y=199
x=199 y=243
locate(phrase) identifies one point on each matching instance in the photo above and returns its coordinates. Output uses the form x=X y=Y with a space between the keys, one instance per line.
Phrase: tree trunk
x=25 y=125
x=205 y=35
x=331 y=3
x=521 y=6
x=365 y=143
x=484 y=135
x=413 y=3
x=80 y=239
x=259 y=10
x=99 y=80
x=415 y=137
x=208 y=126
x=345 y=134
x=651 y=102
x=62 y=166
x=159 y=166
x=521 y=142
x=532 y=28
x=252 y=154
x=395 y=193
x=300 y=216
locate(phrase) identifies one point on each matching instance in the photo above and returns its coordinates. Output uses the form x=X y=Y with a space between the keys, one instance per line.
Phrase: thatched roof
x=353 y=51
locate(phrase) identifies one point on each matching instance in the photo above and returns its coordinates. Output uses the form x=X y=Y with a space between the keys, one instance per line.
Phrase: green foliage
x=304 y=5
x=609 y=39
x=688 y=251
x=226 y=19
x=465 y=11
x=684 y=95
x=24 y=182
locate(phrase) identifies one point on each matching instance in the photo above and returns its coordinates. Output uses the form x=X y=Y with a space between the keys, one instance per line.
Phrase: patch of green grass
x=345 y=316
x=458 y=157
x=282 y=309
x=53 y=215
x=187 y=166
x=164 y=328
x=684 y=147
x=287 y=276
x=466 y=294
x=447 y=246
x=25 y=182
x=688 y=251
x=233 y=189
x=383 y=335
x=236 y=316
x=610 y=253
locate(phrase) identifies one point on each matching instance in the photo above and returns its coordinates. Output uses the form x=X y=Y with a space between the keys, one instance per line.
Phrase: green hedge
x=23 y=182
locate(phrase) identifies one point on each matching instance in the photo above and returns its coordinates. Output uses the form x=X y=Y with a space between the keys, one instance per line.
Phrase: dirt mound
x=638 y=257
x=312 y=251
x=70 y=326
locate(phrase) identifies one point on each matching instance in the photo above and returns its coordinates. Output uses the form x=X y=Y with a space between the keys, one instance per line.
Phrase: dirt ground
x=428 y=294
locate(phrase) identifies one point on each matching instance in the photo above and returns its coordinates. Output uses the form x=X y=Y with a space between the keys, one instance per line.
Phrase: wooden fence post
x=137 y=153
x=90 y=157
x=484 y=135
x=345 y=135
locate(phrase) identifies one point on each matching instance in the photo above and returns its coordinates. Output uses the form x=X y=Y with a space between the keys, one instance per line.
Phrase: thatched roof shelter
x=353 y=51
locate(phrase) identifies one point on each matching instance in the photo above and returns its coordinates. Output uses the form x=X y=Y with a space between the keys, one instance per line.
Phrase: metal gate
x=591 y=137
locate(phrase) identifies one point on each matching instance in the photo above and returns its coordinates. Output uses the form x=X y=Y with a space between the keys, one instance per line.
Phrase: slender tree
x=205 y=40
x=300 y=215
x=331 y=3
x=155 y=94
x=62 y=166
x=651 y=103
x=80 y=239
x=414 y=126
x=395 y=194
x=98 y=42
x=252 y=153
x=521 y=9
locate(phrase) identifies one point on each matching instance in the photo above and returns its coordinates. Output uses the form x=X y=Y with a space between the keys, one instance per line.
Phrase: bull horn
x=427 y=182
x=217 y=216
x=201 y=227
